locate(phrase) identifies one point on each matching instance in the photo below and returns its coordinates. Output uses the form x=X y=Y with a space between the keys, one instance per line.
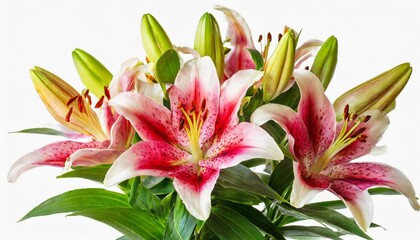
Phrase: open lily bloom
x=200 y=135
x=324 y=148
x=109 y=133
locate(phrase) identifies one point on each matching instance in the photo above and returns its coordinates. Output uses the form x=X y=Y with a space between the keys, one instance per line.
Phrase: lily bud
x=65 y=104
x=93 y=74
x=325 y=61
x=154 y=38
x=379 y=92
x=208 y=42
x=279 y=68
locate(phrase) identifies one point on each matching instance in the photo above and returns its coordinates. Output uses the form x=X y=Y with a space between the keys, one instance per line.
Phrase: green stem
x=133 y=191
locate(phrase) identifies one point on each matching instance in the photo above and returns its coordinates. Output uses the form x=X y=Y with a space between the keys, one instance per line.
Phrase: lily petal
x=365 y=175
x=302 y=192
x=151 y=120
x=195 y=189
x=92 y=157
x=146 y=158
x=297 y=134
x=196 y=88
x=231 y=94
x=357 y=201
x=375 y=127
x=241 y=39
x=316 y=111
x=54 y=154
x=306 y=50
x=121 y=134
x=246 y=141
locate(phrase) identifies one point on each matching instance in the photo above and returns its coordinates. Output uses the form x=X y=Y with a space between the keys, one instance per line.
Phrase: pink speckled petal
x=307 y=50
x=246 y=141
x=108 y=117
x=297 y=134
x=305 y=186
x=357 y=201
x=196 y=88
x=316 y=111
x=93 y=156
x=194 y=188
x=121 y=134
x=231 y=94
x=146 y=158
x=151 y=120
x=365 y=175
x=240 y=37
x=375 y=127
x=54 y=154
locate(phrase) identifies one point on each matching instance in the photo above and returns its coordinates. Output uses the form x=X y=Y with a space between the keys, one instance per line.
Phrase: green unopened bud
x=93 y=74
x=279 y=67
x=208 y=42
x=379 y=92
x=154 y=38
x=325 y=61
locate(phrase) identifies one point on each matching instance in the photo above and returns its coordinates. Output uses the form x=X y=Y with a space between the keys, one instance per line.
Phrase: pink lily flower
x=324 y=148
x=240 y=38
x=108 y=133
x=200 y=135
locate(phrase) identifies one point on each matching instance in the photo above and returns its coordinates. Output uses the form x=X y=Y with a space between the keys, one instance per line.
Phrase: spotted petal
x=195 y=189
x=316 y=111
x=297 y=134
x=357 y=201
x=54 y=154
x=231 y=94
x=246 y=141
x=151 y=120
x=365 y=175
x=196 y=88
x=146 y=158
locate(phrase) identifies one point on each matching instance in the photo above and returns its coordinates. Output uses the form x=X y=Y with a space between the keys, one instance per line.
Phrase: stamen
x=71 y=100
x=367 y=118
x=203 y=104
x=100 y=102
x=107 y=94
x=181 y=124
x=358 y=132
x=67 y=119
x=279 y=37
x=89 y=99
x=80 y=104
x=260 y=38
x=147 y=59
x=307 y=68
x=346 y=112
x=354 y=116
x=268 y=37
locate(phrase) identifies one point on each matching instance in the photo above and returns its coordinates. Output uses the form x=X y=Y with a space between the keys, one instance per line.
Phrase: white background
x=373 y=37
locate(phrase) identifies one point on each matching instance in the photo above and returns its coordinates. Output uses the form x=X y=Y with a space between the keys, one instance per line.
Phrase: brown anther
x=100 y=102
x=86 y=93
x=279 y=37
x=181 y=124
x=203 y=104
x=367 y=118
x=307 y=68
x=260 y=38
x=147 y=59
x=71 y=100
x=362 y=138
x=205 y=115
x=67 y=119
x=87 y=96
x=89 y=99
x=346 y=114
x=268 y=37
x=80 y=104
x=354 y=116
x=107 y=94
x=358 y=132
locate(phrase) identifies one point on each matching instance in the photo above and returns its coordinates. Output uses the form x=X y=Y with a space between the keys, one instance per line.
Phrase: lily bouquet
x=220 y=140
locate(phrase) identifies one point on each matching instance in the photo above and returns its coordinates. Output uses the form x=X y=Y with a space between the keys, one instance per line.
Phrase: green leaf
x=123 y=238
x=228 y=224
x=133 y=223
x=324 y=215
x=235 y=195
x=383 y=191
x=163 y=187
x=78 y=200
x=289 y=98
x=241 y=178
x=180 y=224
x=45 y=131
x=309 y=231
x=257 y=58
x=282 y=177
x=96 y=173
x=167 y=66
x=257 y=218
x=144 y=199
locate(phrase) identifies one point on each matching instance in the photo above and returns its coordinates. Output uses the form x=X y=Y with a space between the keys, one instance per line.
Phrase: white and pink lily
x=324 y=148
x=200 y=135
x=108 y=134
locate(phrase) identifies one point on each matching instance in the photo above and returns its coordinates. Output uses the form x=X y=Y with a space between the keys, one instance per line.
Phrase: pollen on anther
x=67 y=119
x=107 y=94
x=346 y=114
x=71 y=100
x=269 y=37
x=260 y=38
x=279 y=37
x=100 y=102
x=367 y=117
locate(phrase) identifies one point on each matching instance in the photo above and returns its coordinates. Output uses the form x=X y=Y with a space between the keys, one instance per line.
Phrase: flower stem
x=133 y=191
